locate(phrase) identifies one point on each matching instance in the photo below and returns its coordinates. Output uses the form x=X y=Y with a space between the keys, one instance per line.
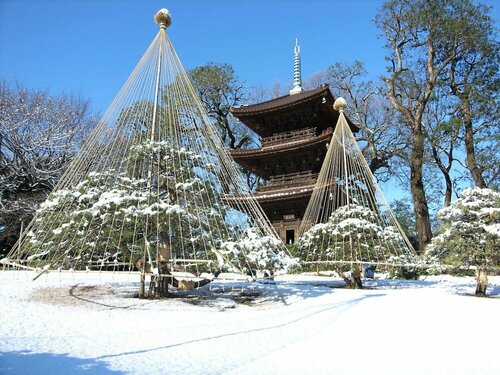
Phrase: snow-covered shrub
x=470 y=235
x=254 y=251
x=404 y=267
x=353 y=234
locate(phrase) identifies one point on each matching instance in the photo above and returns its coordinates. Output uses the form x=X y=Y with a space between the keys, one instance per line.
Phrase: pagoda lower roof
x=282 y=148
x=275 y=195
x=285 y=194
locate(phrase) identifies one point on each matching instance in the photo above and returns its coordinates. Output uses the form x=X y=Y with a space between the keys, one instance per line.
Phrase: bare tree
x=39 y=135
x=381 y=137
x=278 y=89
x=316 y=79
x=260 y=93
x=257 y=94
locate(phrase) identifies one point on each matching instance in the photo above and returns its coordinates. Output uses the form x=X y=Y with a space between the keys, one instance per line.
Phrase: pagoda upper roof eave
x=253 y=115
x=282 y=102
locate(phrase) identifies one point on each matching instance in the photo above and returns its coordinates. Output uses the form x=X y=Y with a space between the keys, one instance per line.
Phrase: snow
x=88 y=323
x=493 y=229
x=187 y=185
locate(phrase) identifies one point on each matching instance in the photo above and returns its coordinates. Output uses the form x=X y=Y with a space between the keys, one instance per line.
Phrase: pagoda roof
x=248 y=157
x=316 y=104
x=284 y=194
x=288 y=147
x=276 y=195
x=282 y=101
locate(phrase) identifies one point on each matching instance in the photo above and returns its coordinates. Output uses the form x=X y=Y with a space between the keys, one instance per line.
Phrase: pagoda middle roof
x=285 y=147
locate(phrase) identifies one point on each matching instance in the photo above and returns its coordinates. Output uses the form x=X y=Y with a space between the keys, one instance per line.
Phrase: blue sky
x=91 y=46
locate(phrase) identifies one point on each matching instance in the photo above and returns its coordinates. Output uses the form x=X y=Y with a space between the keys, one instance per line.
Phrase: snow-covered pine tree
x=171 y=211
x=348 y=222
x=470 y=235
x=352 y=234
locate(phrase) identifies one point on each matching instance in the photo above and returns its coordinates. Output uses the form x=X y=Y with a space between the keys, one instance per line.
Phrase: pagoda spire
x=297 y=81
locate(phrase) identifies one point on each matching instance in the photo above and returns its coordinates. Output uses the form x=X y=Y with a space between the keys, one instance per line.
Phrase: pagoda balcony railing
x=289 y=180
x=296 y=135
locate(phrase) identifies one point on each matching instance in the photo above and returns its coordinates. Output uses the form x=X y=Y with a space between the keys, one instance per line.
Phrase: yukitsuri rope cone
x=150 y=190
x=348 y=223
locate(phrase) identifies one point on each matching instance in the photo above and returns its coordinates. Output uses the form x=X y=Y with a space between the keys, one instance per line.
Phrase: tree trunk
x=446 y=174
x=482 y=282
x=466 y=112
x=348 y=282
x=417 y=188
x=449 y=189
x=158 y=288
x=142 y=286
x=159 y=283
x=469 y=145
x=356 y=279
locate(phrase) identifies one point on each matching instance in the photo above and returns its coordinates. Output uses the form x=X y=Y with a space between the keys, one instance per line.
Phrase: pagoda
x=295 y=130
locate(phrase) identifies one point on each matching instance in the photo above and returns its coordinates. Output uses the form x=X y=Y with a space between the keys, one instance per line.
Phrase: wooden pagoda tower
x=295 y=130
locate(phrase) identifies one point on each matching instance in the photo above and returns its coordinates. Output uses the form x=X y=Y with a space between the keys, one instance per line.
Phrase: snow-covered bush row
x=407 y=266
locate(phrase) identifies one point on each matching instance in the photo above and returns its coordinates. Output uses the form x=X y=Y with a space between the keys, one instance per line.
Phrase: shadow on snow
x=26 y=362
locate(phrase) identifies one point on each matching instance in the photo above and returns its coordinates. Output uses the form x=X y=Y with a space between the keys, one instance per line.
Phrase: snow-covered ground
x=67 y=323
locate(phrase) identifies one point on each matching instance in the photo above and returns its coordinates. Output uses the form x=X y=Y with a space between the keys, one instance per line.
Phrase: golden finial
x=340 y=104
x=162 y=18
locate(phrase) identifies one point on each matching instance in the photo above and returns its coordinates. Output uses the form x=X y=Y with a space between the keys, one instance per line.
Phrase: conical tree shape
x=348 y=220
x=150 y=188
